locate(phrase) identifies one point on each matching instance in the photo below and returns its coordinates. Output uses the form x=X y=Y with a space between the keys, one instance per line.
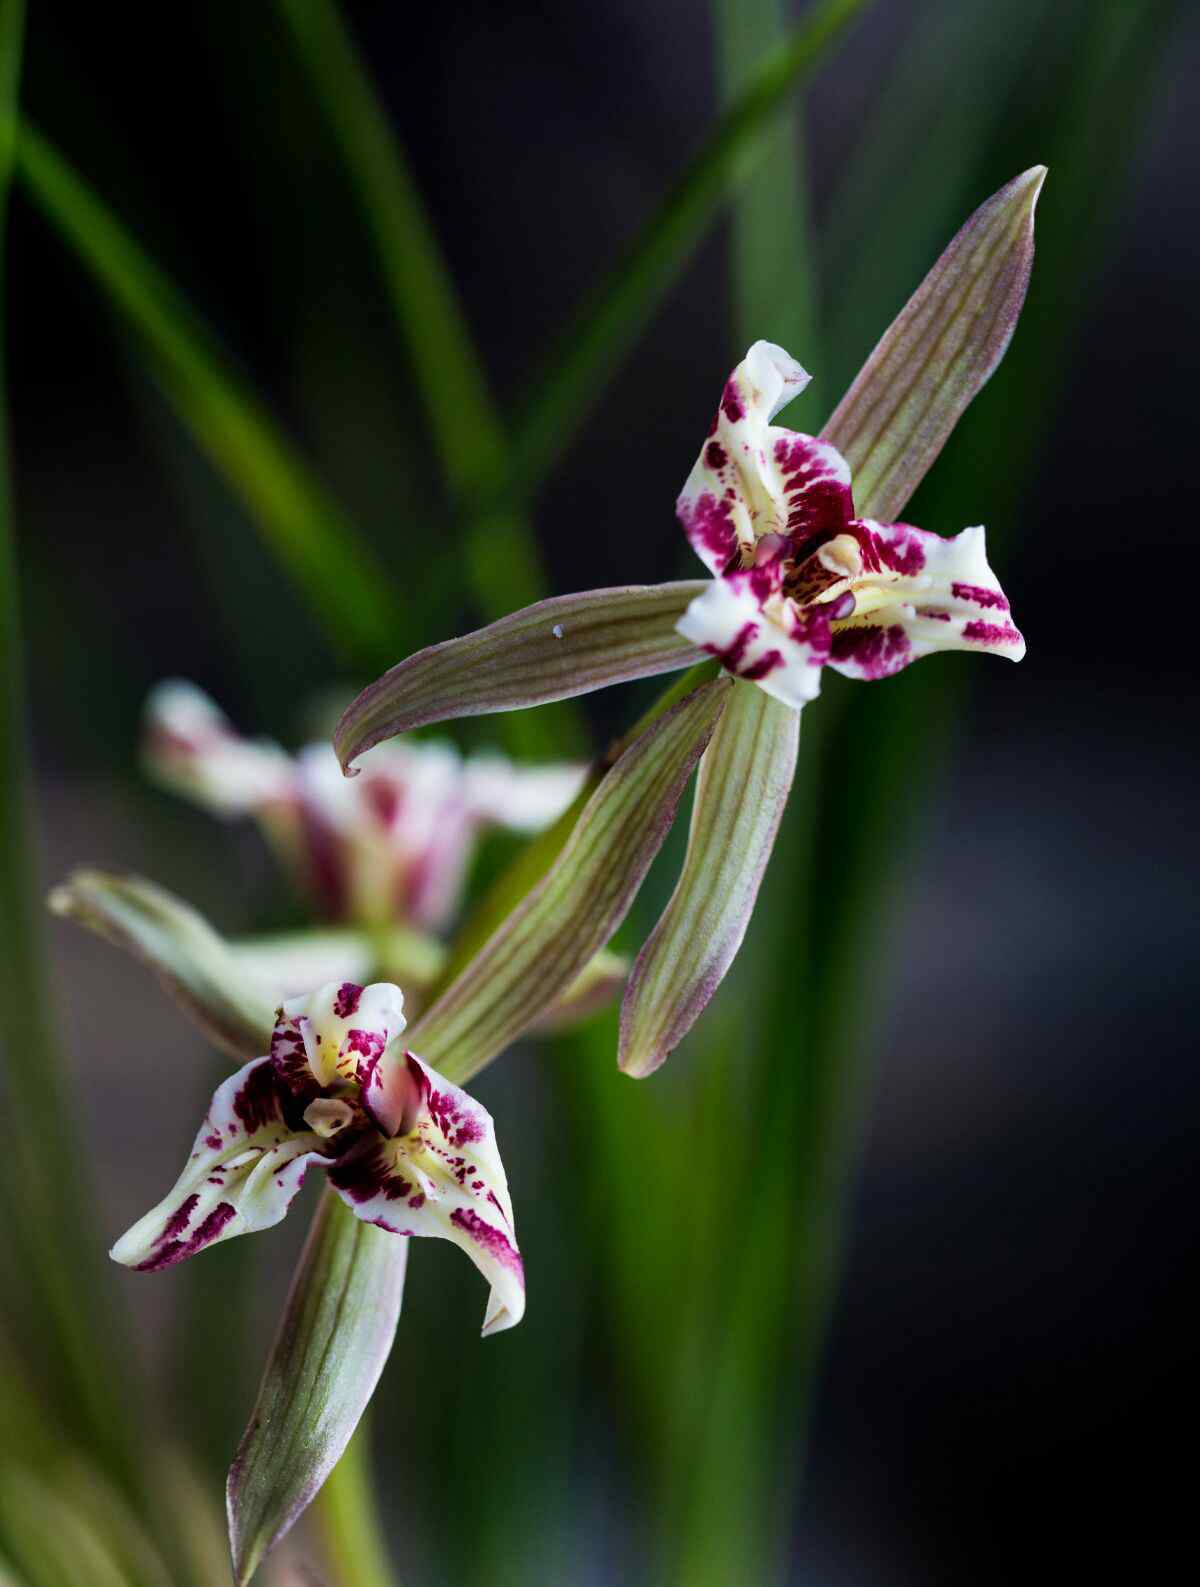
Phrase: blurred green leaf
x=546 y=942
x=333 y=1342
x=325 y=556
x=500 y=559
x=559 y=648
x=42 y=1162
x=607 y=324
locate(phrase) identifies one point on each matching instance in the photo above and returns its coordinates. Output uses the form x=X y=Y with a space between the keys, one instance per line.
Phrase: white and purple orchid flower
x=812 y=567
x=800 y=581
x=392 y=847
x=405 y=1149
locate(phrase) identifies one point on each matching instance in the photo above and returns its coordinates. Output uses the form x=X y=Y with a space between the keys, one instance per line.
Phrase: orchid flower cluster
x=811 y=567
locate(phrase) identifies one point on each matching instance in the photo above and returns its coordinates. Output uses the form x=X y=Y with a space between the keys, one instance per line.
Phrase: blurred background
x=922 y=1328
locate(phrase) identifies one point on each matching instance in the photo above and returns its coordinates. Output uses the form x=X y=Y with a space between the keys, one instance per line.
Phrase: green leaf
x=61 y=1293
x=938 y=353
x=194 y=964
x=566 y=646
x=333 y=1342
x=605 y=328
x=743 y=785
x=539 y=950
x=325 y=555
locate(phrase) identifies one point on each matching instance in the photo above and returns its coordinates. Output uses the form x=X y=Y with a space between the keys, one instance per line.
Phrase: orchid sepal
x=554 y=650
x=742 y=788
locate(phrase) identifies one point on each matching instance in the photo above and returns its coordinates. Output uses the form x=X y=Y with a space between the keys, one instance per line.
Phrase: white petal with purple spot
x=245 y=1169
x=444 y=1178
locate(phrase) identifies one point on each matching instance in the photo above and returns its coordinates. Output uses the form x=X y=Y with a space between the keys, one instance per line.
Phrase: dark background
x=1010 y=1326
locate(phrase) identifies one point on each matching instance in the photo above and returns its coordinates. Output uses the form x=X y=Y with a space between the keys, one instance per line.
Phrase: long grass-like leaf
x=312 y=539
x=606 y=326
x=42 y=1161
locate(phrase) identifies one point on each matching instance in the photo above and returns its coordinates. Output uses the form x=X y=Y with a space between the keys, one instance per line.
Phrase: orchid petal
x=333 y=1342
x=191 y=747
x=524 y=798
x=939 y=351
x=783 y=655
x=742 y=788
x=245 y=1170
x=544 y=944
x=339 y=1032
x=754 y=480
x=922 y=593
x=226 y=998
x=443 y=1178
x=554 y=650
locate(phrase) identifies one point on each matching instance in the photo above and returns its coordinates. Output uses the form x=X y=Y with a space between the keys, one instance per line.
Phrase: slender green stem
x=348 y=1517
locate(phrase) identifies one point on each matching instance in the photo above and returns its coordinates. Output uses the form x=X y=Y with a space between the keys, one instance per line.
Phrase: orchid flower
x=394 y=846
x=405 y=1149
x=812 y=567
x=801 y=582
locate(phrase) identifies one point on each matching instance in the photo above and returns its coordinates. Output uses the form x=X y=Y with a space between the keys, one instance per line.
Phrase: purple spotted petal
x=920 y=593
x=552 y=651
x=758 y=637
x=443 y=1178
x=246 y=1167
x=334 y=1339
x=938 y=353
x=190 y=746
x=753 y=481
x=744 y=780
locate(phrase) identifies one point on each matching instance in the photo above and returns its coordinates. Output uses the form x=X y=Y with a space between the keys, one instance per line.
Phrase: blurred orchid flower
x=811 y=567
x=393 y=847
x=800 y=581
x=403 y=1147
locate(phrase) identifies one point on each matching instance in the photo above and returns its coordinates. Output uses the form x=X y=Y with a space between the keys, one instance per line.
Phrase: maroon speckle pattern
x=876 y=652
x=346 y=1000
x=290 y=1059
x=494 y=1241
x=978 y=596
x=708 y=524
x=369 y=1044
x=369 y=1174
x=817 y=503
x=257 y=1104
x=213 y=1142
x=731 y=402
x=171 y=1251
x=455 y=1123
x=179 y=1219
x=992 y=633
x=715 y=456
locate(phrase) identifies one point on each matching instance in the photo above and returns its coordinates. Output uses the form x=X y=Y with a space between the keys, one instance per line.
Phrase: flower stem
x=348 y=1516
